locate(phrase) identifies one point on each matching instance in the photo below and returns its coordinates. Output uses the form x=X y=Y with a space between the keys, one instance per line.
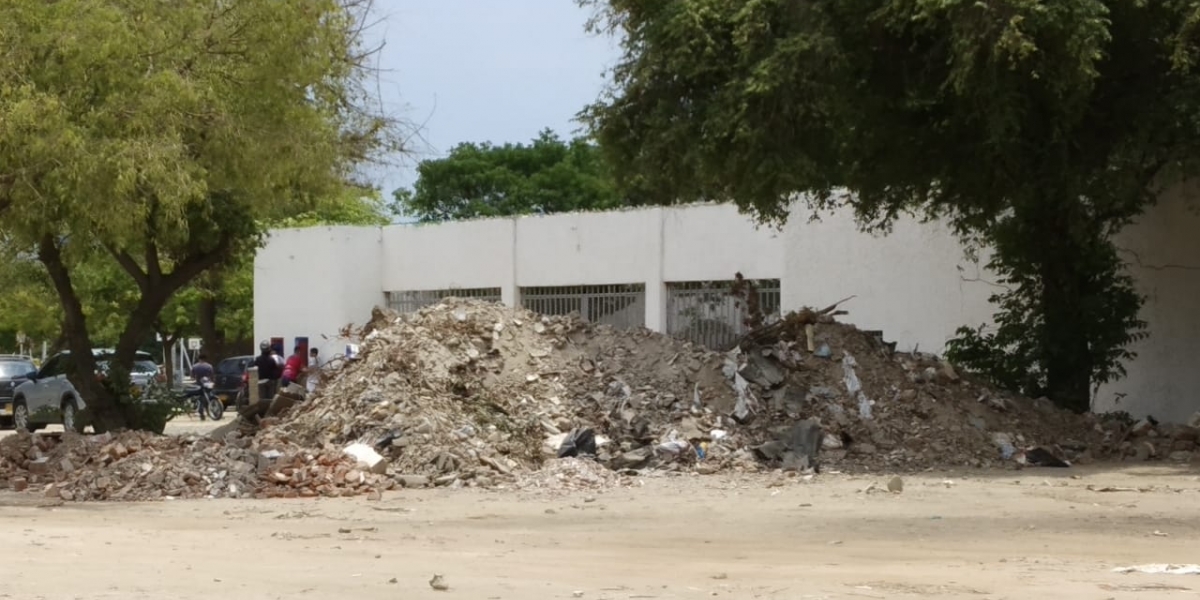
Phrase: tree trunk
x=168 y=349
x=105 y=406
x=1067 y=356
x=216 y=345
x=102 y=405
x=1065 y=275
x=212 y=337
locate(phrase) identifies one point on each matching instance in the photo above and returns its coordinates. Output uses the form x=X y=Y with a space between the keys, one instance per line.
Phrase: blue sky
x=484 y=70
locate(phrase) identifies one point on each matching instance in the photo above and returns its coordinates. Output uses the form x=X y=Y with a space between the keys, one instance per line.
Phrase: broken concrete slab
x=762 y=371
x=412 y=481
x=375 y=463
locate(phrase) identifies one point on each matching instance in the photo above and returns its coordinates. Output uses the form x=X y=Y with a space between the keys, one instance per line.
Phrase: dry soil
x=1037 y=533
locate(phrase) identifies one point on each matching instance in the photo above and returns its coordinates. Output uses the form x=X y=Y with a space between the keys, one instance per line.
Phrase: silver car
x=48 y=396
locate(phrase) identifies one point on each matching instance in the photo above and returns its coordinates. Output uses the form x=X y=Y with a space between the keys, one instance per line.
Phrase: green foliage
x=27 y=302
x=1039 y=129
x=1029 y=336
x=482 y=180
x=160 y=138
x=350 y=207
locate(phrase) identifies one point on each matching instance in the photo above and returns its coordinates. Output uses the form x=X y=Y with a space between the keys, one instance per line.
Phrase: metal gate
x=620 y=305
x=414 y=300
x=707 y=312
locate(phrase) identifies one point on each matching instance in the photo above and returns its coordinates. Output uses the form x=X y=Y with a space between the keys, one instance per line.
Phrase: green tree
x=158 y=137
x=27 y=301
x=1039 y=129
x=545 y=176
x=30 y=305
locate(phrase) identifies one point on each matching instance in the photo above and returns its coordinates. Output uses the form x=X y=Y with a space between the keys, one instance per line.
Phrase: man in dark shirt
x=269 y=371
x=202 y=369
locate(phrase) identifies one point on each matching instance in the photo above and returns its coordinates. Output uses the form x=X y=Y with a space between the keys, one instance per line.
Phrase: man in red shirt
x=293 y=367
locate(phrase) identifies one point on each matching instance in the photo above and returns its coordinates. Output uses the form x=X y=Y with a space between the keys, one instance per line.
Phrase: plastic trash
x=854 y=386
x=674 y=448
x=580 y=442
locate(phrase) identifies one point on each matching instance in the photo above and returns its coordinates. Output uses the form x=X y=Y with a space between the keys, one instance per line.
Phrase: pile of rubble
x=1148 y=439
x=572 y=474
x=142 y=466
x=473 y=394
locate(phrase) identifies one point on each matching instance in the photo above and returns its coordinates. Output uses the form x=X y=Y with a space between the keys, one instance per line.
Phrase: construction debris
x=472 y=394
x=142 y=466
x=1147 y=439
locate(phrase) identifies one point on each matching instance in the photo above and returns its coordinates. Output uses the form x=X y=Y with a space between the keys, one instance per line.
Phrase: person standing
x=269 y=371
x=293 y=367
x=202 y=371
x=314 y=369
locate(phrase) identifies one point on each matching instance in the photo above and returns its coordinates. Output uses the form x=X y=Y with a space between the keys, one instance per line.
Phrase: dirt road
x=1018 y=535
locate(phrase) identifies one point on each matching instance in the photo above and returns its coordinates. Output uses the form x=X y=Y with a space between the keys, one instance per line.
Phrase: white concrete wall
x=313 y=282
x=1162 y=251
x=610 y=247
x=915 y=284
x=715 y=241
x=426 y=257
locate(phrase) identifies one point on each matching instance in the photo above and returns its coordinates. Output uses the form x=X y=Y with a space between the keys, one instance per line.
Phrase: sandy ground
x=1037 y=533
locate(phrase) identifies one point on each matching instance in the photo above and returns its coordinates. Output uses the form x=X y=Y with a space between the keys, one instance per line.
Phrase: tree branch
x=130 y=265
x=153 y=264
x=195 y=265
x=74 y=320
x=146 y=312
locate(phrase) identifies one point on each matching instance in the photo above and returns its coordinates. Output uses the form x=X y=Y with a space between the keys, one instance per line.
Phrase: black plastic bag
x=580 y=442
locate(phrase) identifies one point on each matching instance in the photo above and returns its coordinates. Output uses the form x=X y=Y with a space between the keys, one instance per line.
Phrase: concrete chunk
x=363 y=453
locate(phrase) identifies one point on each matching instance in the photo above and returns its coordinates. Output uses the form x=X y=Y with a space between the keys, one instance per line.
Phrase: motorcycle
x=266 y=389
x=204 y=402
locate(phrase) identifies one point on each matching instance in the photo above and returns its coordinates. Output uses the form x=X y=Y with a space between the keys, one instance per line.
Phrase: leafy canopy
x=29 y=304
x=1037 y=128
x=545 y=176
x=161 y=136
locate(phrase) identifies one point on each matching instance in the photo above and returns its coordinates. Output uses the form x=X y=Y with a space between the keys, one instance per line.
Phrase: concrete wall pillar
x=656 y=289
x=510 y=292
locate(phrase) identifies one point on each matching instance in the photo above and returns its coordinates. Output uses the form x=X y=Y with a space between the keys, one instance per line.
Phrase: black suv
x=14 y=369
x=229 y=377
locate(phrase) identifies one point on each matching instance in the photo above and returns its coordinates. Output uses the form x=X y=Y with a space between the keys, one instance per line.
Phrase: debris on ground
x=472 y=394
x=439 y=583
x=135 y=465
x=572 y=474
x=1147 y=439
x=1161 y=569
x=484 y=393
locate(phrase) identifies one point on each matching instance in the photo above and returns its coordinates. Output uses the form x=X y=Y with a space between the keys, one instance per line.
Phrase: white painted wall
x=915 y=285
x=1163 y=254
x=425 y=257
x=610 y=247
x=715 y=241
x=313 y=282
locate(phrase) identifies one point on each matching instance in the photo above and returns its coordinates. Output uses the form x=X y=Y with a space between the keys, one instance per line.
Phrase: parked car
x=49 y=397
x=14 y=368
x=143 y=372
x=229 y=377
